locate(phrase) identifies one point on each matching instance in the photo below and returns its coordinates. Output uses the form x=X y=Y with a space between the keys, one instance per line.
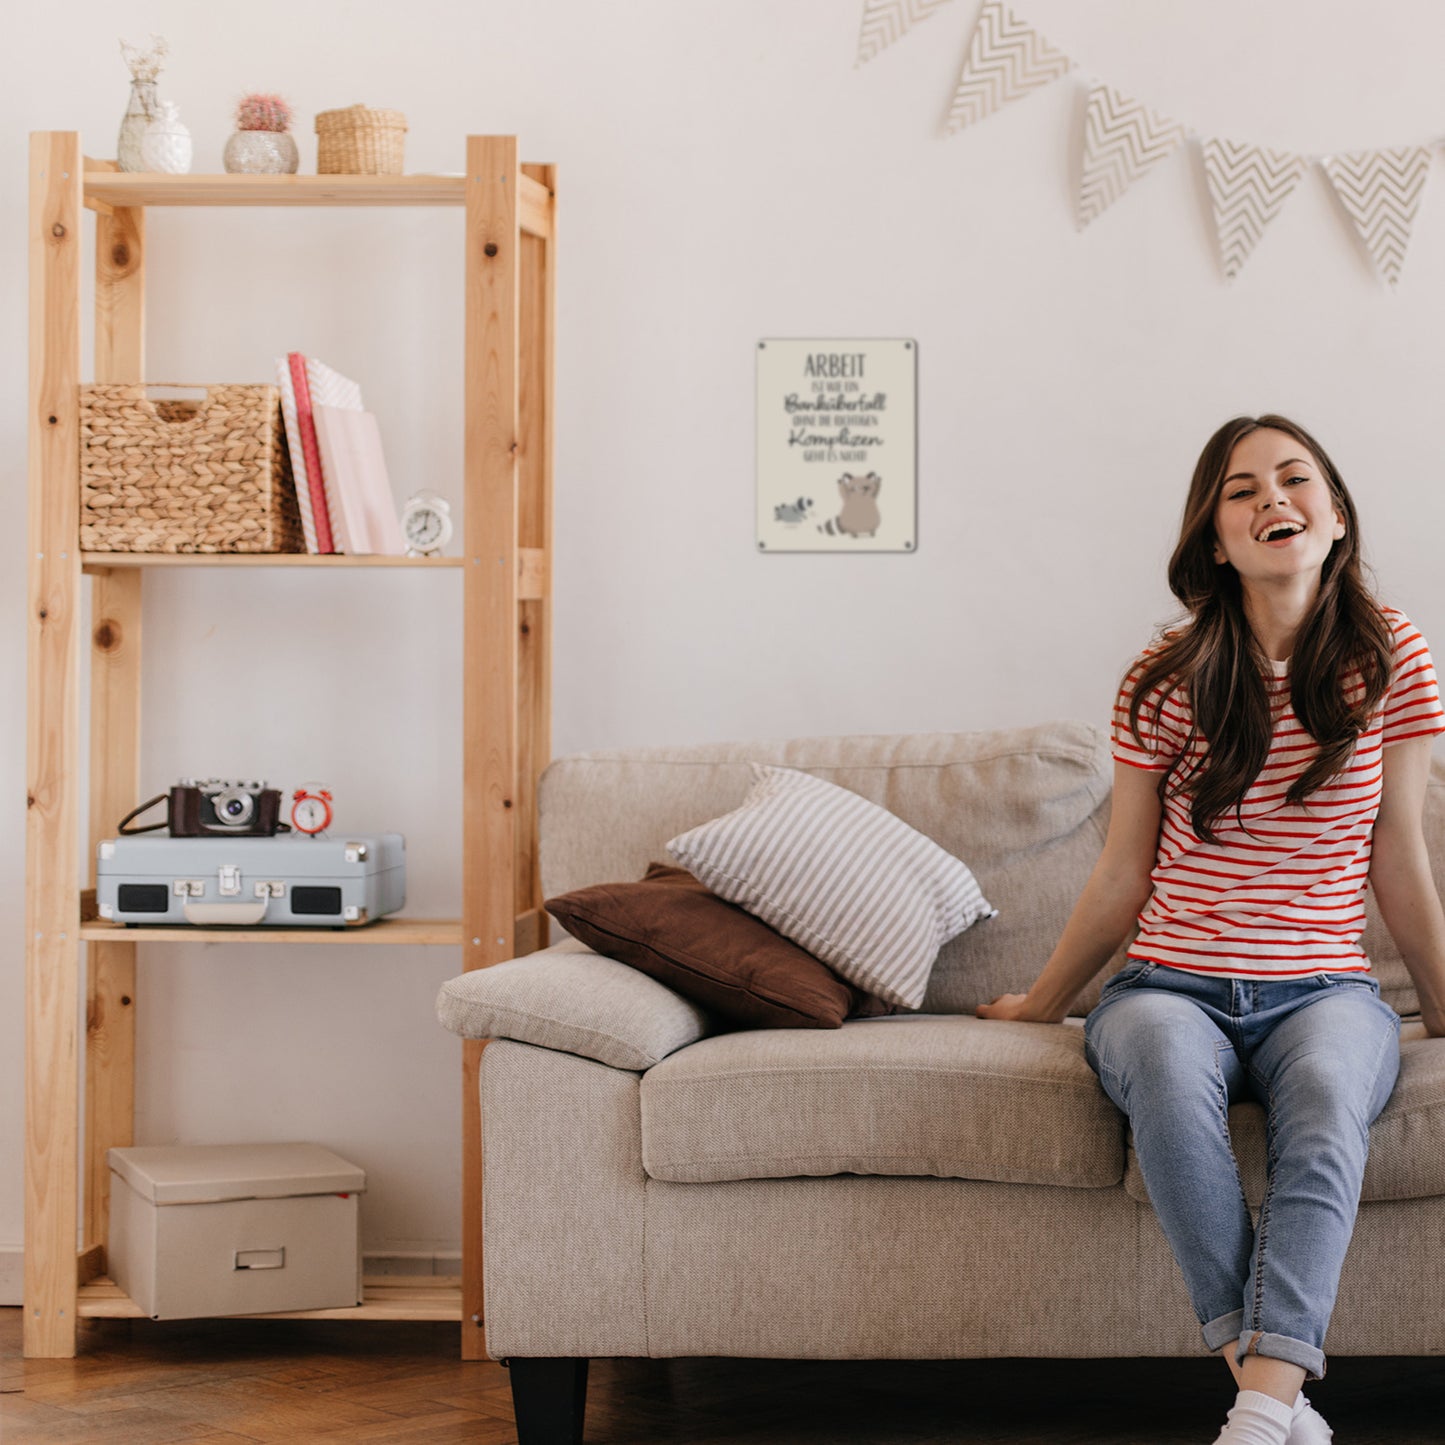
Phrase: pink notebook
x=363 y=509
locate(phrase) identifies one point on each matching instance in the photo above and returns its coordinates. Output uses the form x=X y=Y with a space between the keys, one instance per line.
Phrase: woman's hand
x=1117 y=889
x=1011 y=1006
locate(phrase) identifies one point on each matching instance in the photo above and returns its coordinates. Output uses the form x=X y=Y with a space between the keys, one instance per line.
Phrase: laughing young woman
x=1271 y=757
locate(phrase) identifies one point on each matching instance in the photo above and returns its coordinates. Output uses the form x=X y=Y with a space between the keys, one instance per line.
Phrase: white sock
x=1307 y=1425
x=1257 y=1419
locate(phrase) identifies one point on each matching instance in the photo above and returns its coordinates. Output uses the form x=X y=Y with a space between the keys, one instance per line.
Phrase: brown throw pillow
x=670 y=927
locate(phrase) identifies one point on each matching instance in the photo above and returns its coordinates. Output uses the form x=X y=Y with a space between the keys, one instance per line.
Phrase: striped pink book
x=306 y=430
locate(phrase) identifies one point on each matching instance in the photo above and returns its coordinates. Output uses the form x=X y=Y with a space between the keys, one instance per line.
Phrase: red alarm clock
x=311 y=809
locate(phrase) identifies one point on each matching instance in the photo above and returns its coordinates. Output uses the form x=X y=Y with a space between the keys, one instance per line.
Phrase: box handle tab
x=260 y=1259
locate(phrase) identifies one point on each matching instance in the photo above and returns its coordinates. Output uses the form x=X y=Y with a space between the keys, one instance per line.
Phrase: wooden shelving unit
x=508 y=270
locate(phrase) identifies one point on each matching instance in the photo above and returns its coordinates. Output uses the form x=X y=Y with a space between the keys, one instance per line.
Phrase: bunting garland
x=1007 y=59
x=1124 y=139
x=1248 y=186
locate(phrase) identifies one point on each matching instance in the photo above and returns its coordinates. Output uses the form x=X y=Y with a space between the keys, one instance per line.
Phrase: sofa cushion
x=575 y=1001
x=952 y=1097
x=842 y=877
x=674 y=929
x=1407 y=1141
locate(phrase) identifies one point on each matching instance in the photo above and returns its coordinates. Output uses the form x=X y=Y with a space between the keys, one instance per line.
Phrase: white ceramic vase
x=166 y=146
x=142 y=110
x=261 y=152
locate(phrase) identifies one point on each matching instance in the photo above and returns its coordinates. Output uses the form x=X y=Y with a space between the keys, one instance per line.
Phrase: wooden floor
x=137 y=1382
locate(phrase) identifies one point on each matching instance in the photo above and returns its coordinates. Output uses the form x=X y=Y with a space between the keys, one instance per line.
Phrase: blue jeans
x=1173 y=1050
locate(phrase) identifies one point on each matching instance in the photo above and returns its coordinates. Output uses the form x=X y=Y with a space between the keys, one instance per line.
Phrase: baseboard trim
x=407 y=1262
x=12 y=1275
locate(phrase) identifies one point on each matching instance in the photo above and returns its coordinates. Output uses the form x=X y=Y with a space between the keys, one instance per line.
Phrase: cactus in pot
x=262 y=143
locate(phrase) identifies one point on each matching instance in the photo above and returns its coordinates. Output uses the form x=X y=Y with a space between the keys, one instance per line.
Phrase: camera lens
x=234 y=807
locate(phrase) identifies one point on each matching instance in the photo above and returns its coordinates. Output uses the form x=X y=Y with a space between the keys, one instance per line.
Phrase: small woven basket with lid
x=359 y=142
x=186 y=476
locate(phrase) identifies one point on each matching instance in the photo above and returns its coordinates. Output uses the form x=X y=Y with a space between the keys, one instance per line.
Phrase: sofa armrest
x=575 y=1001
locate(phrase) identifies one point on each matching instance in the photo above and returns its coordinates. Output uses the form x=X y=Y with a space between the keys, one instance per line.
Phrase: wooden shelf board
x=100 y=561
x=532 y=565
x=108 y=188
x=384 y=930
x=146 y=188
x=386 y=1297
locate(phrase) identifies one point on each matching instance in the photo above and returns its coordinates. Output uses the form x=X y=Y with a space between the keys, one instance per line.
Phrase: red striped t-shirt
x=1286 y=898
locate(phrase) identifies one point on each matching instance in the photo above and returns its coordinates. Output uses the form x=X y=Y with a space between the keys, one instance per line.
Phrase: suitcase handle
x=236 y=913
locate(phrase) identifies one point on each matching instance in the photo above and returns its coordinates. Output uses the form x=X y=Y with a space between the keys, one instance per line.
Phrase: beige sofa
x=917 y=1186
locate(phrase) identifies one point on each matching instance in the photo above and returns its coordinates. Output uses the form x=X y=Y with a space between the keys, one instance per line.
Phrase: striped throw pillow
x=843 y=878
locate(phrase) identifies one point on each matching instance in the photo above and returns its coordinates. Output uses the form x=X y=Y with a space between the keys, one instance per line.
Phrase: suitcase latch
x=229 y=880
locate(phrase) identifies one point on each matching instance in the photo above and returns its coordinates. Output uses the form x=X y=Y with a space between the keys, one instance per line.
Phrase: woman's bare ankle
x=1226 y=1353
x=1269 y=1376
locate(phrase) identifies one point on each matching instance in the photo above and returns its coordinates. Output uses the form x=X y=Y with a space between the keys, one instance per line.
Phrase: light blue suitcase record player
x=251 y=882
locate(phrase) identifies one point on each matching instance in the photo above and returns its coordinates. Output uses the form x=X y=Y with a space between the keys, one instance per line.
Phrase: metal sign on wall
x=837 y=446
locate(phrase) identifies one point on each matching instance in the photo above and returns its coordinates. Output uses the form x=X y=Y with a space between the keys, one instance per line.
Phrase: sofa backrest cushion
x=1025 y=808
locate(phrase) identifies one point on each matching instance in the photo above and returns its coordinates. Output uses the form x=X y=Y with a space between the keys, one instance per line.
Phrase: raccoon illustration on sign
x=791 y=513
x=860 y=516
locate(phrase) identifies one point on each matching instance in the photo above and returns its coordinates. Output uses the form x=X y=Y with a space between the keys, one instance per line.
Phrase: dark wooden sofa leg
x=549 y=1397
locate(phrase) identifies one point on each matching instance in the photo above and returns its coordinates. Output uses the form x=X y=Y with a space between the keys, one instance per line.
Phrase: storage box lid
x=210 y=1173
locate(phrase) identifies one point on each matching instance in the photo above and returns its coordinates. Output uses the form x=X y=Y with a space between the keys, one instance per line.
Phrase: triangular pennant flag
x=1007 y=58
x=884 y=21
x=1248 y=186
x=1381 y=190
x=1122 y=140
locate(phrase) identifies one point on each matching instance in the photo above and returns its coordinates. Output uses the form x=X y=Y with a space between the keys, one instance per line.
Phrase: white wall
x=727 y=174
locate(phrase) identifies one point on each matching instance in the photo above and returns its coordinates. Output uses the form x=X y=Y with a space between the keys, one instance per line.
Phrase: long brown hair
x=1219 y=663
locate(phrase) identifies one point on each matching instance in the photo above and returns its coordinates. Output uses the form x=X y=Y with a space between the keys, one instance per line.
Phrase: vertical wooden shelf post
x=489 y=705
x=537 y=312
x=52 y=892
x=115 y=639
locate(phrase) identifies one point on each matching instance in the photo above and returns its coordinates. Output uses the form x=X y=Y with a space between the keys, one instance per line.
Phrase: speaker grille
x=143 y=898
x=316 y=900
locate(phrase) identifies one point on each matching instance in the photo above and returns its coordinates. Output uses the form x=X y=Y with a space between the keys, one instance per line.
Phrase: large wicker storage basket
x=359 y=142
x=185 y=476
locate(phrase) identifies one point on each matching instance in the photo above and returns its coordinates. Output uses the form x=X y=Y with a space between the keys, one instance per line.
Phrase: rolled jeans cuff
x=1282 y=1347
x=1223 y=1331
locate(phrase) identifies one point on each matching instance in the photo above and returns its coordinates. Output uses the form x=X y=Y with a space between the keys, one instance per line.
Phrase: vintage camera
x=215 y=806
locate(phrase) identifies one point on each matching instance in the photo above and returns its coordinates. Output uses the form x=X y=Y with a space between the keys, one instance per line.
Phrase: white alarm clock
x=311 y=809
x=426 y=524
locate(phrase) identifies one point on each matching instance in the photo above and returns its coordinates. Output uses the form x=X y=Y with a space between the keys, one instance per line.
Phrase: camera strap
x=145 y=807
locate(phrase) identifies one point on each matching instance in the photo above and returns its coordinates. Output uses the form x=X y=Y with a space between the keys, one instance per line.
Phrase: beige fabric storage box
x=235 y=1229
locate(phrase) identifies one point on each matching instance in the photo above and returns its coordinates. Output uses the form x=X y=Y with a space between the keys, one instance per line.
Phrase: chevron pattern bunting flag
x=1381 y=190
x=1006 y=59
x=1122 y=140
x=885 y=21
x=1248 y=186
